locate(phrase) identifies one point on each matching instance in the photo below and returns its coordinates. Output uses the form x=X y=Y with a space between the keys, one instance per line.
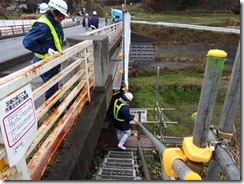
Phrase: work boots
x=122 y=141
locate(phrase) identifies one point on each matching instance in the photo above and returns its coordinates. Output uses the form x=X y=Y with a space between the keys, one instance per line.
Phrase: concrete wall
x=74 y=156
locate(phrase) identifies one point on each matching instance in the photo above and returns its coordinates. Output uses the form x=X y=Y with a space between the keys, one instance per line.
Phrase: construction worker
x=43 y=8
x=86 y=23
x=106 y=19
x=122 y=118
x=94 y=20
x=45 y=38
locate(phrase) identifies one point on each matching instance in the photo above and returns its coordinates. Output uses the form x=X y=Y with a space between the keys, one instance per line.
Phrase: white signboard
x=18 y=123
x=135 y=111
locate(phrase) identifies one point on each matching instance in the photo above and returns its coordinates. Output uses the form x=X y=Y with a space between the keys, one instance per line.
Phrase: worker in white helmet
x=94 y=20
x=45 y=38
x=122 y=118
x=43 y=8
x=86 y=22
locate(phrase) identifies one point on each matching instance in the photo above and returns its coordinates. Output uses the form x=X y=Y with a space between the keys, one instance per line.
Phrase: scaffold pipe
x=179 y=167
x=222 y=158
x=211 y=80
x=144 y=165
x=232 y=99
x=225 y=161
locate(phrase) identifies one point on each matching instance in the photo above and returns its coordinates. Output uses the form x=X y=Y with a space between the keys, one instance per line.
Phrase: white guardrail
x=11 y=27
x=191 y=26
x=29 y=137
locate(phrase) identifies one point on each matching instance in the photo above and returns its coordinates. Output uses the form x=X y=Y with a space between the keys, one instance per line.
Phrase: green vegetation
x=177 y=89
x=180 y=88
x=163 y=35
x=201 y=19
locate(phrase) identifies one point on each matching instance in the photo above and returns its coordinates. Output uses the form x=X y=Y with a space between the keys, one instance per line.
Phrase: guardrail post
x=23 y=170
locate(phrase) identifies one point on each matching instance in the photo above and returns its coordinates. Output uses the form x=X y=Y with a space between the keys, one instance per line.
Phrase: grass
x=176 y=89
x=195 y=16
x=163 y=35
x=180 y=90
x=203 y=19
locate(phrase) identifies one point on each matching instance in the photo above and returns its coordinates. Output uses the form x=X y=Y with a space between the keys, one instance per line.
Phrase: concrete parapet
x=74 y=156
x=101 y=55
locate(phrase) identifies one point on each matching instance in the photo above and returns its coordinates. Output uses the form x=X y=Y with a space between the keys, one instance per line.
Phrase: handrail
x=77 y=80
x=25 y=27
x=82 y=54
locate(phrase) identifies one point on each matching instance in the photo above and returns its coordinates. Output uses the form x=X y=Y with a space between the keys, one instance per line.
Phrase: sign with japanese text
x=18 y=123
x=135 y=111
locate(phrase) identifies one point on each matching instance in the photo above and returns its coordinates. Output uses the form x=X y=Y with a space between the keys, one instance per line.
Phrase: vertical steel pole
x=144 y=164
x=232 y=98
x=211 y=80
x=226 y=121
x=123 y=39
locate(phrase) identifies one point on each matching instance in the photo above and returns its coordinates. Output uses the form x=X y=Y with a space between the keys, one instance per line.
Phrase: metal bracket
x=222 y=142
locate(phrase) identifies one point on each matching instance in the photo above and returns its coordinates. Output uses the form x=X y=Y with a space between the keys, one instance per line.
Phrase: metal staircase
x=119 y=165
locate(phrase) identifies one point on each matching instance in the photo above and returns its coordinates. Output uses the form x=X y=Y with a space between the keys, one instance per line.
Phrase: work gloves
x=52 y=52
x=136 y=120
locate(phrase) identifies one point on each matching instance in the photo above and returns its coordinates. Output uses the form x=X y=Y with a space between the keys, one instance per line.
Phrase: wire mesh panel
x=119 y=165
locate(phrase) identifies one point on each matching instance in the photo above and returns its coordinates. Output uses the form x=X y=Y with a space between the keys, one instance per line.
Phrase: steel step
x=119 y=165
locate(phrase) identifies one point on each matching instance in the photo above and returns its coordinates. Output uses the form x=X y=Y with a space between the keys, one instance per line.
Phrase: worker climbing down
x=122 y=118
x=45 y=38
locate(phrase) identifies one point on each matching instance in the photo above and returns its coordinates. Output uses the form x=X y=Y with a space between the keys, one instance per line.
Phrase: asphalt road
x=13 y=48
x=13 y=51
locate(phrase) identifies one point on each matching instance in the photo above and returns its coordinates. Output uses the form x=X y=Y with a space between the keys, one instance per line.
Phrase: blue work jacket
x=124 y=113
x=39 y=39
x=94 y=21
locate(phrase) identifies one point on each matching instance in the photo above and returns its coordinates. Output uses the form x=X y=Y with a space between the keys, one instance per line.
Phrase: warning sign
x=18 y=123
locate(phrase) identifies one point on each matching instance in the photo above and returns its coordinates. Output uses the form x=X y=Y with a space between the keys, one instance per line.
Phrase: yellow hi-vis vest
x=57 y=42
x=116 y=110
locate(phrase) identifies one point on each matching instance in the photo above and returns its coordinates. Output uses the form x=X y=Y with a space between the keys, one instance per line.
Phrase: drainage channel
x=119 y=165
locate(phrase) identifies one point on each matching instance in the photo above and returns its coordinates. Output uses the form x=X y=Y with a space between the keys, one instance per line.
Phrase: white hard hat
x=128 y=96
x=43 y=7
x=94 y=13
x=59 y=5
x=86 y=14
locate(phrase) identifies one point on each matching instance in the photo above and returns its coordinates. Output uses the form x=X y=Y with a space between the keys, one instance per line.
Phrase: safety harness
x=116 y=110
x=57 y=42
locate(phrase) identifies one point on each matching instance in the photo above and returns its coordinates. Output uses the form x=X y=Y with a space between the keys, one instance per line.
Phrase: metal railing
x=76 y=81
x=23 y=27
